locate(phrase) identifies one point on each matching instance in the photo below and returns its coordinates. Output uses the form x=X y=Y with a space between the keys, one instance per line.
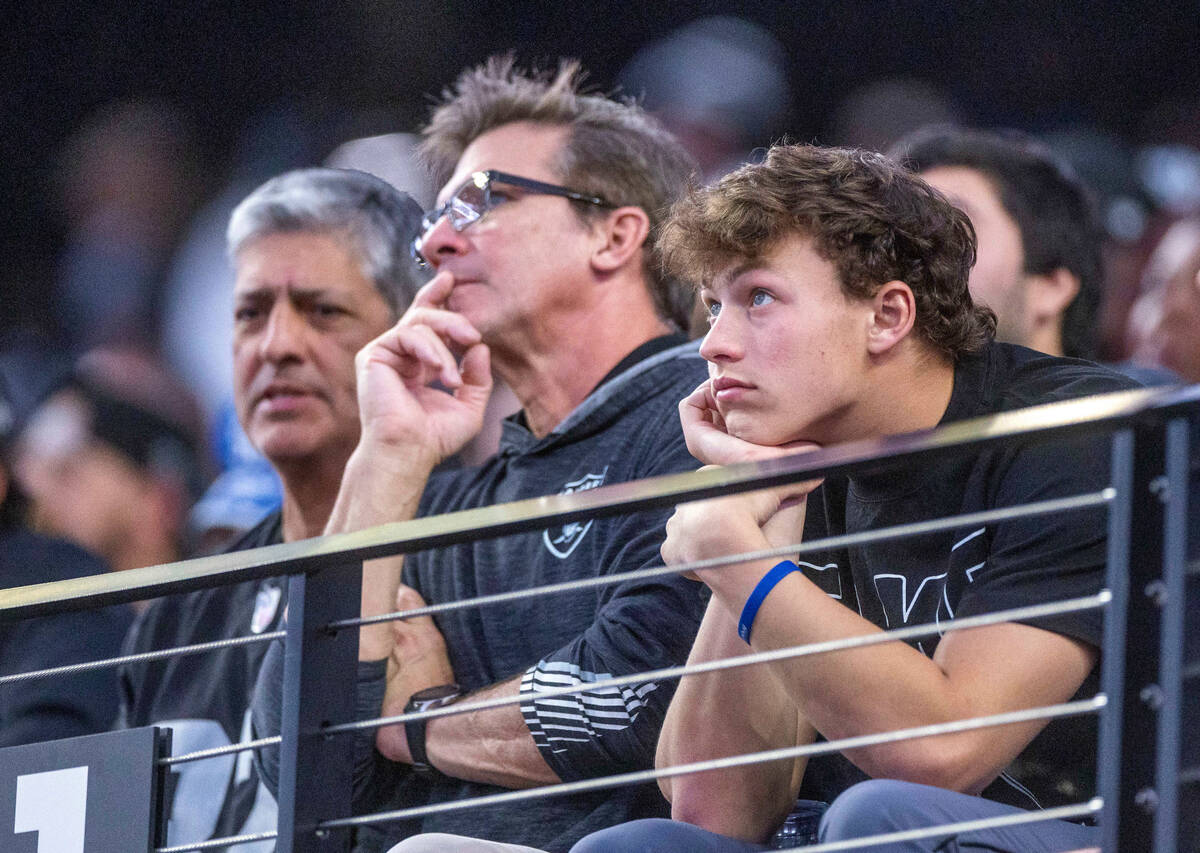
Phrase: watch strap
x=414 y=730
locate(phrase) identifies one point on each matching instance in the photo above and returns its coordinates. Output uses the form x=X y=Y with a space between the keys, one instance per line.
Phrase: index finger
x=435 y=292
x=699 y=406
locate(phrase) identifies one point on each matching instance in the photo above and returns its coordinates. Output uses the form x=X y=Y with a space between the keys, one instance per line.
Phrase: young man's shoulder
x=1019 y=377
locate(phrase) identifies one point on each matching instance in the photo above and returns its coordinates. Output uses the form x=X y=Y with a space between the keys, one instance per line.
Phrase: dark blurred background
x=172 y=105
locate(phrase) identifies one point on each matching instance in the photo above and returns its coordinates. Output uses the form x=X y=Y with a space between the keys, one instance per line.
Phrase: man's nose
x=723 y=340
x=283 y=335
x=442 y=241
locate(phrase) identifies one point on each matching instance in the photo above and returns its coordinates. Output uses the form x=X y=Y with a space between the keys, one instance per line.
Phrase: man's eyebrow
x=292 y=292
x=730 y=275
x=256 y=294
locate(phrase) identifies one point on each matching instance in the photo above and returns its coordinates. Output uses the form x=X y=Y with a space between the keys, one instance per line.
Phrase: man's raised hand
x=426 y=381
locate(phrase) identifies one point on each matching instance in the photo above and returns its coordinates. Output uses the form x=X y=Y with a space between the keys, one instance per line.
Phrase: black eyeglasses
x=476 y=197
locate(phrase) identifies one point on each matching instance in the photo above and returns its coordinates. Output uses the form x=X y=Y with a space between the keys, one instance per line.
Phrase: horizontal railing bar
x=1018 y=614
x=219 y=842
x=1068 y=709
x=1088 y=500
x=1035 y=424
x=143 y=657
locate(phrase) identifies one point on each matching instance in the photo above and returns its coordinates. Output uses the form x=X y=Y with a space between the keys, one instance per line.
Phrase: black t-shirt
x=981 y=569
x=205 y=698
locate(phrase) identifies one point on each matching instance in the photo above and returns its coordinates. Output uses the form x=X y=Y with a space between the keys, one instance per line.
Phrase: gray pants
x=869 y=808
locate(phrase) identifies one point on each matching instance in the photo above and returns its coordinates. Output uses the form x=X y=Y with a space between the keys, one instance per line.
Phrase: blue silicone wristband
x=778 y=572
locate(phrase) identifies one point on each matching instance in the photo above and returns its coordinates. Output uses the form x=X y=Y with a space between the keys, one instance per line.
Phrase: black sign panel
x=94 y=794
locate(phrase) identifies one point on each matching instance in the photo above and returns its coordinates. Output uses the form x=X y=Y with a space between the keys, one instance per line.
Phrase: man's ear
x=893 y=315
x=1047 y=295
x=623 y=233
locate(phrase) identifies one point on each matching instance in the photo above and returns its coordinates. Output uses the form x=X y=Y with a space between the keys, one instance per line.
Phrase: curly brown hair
x=865 y=214
x=614 y=148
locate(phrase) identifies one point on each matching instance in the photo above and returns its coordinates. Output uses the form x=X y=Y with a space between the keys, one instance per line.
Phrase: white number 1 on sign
x=54 y=805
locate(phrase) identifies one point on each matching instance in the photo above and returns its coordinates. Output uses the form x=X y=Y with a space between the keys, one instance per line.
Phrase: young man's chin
x=753 y=428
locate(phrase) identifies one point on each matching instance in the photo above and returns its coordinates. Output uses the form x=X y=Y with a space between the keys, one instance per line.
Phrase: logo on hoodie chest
x=562 y=541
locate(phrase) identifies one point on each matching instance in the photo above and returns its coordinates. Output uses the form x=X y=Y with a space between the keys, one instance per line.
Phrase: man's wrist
x=393 y=458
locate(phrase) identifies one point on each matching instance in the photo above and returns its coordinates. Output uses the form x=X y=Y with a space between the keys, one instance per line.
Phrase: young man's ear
x=893 y=315
x=623 y=233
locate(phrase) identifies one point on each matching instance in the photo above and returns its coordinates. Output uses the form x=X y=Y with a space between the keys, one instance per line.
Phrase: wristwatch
x=426 y=700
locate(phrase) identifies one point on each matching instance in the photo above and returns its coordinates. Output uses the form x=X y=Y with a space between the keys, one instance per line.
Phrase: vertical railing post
x=1171 y=597
x=1130 y=674
x=318 y=689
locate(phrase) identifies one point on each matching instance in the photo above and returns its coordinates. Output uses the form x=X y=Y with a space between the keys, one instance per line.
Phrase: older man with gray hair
x=323 y=265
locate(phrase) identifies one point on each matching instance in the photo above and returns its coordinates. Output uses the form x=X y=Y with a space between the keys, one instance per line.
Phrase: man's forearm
x=992 y=669
x=379 y=485
x=492 y=746
x=730 y=712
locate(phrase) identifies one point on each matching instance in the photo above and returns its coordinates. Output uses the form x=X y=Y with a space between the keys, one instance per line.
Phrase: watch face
x=435 y=694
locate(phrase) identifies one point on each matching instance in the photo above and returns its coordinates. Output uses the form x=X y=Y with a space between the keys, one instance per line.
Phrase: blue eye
x=713 y=309
x=760 y=298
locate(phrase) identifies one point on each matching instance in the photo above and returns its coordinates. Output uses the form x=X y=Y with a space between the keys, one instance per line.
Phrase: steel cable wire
x=1035 y=611
x=1066 y=709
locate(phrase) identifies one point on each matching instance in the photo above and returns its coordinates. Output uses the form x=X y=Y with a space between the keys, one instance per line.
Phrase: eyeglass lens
x=467 y=205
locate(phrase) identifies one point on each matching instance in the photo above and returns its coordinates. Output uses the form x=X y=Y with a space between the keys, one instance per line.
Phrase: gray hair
x=377 y=220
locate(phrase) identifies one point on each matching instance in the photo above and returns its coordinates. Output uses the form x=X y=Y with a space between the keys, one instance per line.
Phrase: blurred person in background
x=127 y=179
x=1039 y=261
x=718 y=83
x=323 y=264
x=1164 y=325
x=113 y=459
x=878 y=113
x=59 y=707
x=1038 y=264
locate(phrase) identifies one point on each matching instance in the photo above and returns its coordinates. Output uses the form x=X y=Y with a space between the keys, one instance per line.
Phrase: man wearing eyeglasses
x=545 y=273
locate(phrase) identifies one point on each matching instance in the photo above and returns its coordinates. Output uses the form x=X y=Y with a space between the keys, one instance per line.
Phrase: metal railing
x=1140 y=705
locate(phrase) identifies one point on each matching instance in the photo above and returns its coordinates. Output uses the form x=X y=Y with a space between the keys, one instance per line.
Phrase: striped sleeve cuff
x=566 y=723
